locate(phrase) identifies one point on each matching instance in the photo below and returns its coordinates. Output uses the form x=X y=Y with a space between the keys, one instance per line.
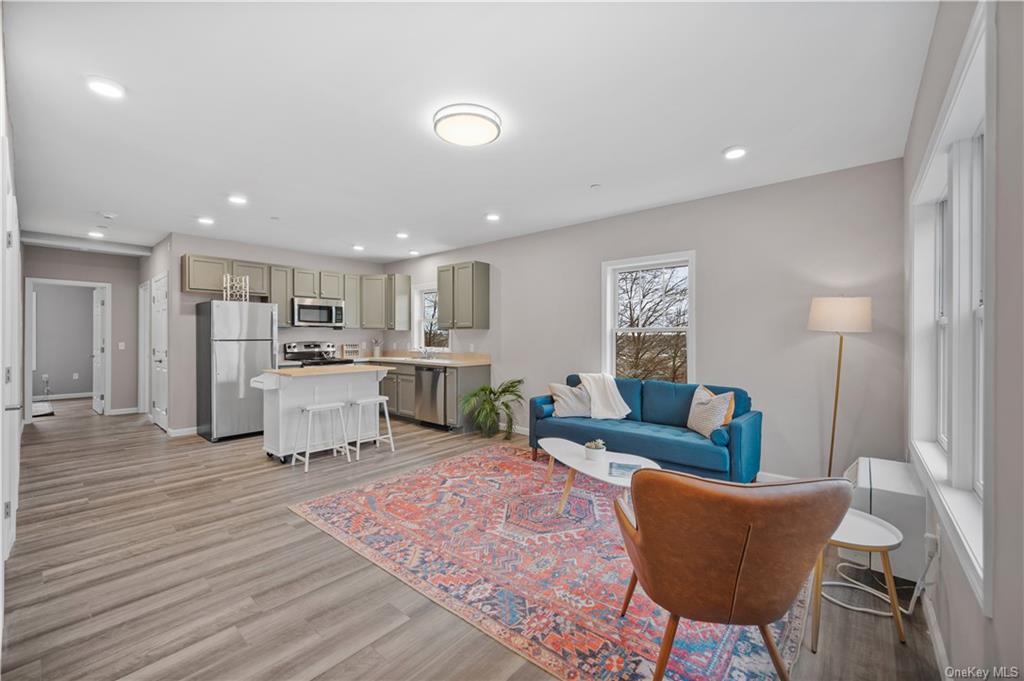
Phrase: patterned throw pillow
x=709 y=411
x=570 y=401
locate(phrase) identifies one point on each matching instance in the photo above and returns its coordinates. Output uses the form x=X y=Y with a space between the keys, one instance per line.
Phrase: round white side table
x=862 y=531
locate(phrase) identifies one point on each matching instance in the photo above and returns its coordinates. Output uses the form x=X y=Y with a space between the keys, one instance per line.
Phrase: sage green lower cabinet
x=389 y=389
x=407 y=395
x=371 y=299
x=305 y=283
x=332 y=285
x=458 y=382
x=258 y=273
x=353 y=290
x=281 y=293
x=203 y=274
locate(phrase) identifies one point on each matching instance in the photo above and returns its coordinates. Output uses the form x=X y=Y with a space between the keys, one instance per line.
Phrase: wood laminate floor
x=145 y=557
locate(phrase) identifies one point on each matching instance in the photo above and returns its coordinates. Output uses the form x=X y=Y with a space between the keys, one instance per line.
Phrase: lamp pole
x=835 y=405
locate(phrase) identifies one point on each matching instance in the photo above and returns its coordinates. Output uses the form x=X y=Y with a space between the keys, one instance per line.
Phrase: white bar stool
x=313 y=409
x=375 y=401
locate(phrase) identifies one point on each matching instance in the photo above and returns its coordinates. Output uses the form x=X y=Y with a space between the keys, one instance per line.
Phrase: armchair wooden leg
x=533 y=454
x=819 y=570
x=629 y=595
x=666 y=647
x=769 y=641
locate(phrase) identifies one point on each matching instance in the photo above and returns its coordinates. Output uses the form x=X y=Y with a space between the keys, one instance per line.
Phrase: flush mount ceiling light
x=468 y=125
x=414 y=252
x=358 y=248
x=104 y=87
x=96 y=234
x=492 y=217
x=401 y=235
x=206 y=222
x=238 y=199
x=107 y=216
x=734 y=153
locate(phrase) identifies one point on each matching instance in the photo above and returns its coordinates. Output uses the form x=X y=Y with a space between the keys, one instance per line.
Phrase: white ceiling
x=321 y=113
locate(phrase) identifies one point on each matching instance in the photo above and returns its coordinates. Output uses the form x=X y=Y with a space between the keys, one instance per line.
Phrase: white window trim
x=416 y=332
x=609 y=301
x=967 y=519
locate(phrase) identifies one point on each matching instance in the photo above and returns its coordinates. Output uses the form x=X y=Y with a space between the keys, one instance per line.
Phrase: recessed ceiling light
x=107 y=216
x=733 y=153
x=205 y=221
x=238 y=199
x=492 y=217
x=596 y=185
x=104 y=87
x=402 y=235
x=468 y=125
x=96 y=234
x=358 y=248
x=414 y=252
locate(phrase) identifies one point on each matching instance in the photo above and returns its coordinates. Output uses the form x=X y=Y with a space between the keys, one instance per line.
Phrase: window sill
x=960 y=511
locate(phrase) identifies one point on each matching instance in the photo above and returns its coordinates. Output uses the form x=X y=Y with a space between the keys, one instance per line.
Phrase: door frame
x=30 y=335
x=166 y=276
x=145 y=348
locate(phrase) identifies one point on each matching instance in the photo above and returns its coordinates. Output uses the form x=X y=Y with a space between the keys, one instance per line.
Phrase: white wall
x=761 y=255
x=166 y=256
x=969 y=637
x=63 y=339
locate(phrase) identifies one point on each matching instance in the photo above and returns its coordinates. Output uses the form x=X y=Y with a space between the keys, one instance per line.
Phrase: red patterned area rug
x=478 y=534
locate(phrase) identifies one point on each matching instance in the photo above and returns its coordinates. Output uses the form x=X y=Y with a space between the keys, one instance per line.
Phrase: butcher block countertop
x=328 y=370
x=432 y=362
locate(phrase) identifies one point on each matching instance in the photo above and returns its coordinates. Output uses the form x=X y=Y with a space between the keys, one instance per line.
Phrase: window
x=943 y=373
x=648 y=318
x=432 y=335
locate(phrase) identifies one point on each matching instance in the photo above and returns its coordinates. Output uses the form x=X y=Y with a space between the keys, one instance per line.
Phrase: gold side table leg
x=819 y=570
x=894 y=601
x=551 y=468
x=565 y=492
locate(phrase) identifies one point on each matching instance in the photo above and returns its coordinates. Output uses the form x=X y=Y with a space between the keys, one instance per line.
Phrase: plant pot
x=594 y=454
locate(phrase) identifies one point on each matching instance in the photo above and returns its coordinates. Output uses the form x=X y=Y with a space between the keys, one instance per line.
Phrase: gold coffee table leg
x=565 y=492
x=551 y=468
x=894 y=601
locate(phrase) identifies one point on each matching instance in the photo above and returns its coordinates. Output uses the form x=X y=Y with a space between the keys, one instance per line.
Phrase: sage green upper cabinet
x=371 y=298
x=258 y=273
x=305 y=283
x=464 y=295
x=204 y=274
x=445 y=296
x=398 y=302
x=332 y=285
x=281 y=293
x=352 y=301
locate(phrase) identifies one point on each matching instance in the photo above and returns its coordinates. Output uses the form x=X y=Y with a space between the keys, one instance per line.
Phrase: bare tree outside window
x=433 y=335
x=652 y=316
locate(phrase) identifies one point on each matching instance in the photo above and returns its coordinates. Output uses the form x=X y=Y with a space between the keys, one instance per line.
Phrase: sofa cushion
x=669 y=403
x=629 y=388
x=664 y=444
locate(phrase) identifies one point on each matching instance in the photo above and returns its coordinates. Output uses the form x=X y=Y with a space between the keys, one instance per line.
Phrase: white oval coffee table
x=572 y=455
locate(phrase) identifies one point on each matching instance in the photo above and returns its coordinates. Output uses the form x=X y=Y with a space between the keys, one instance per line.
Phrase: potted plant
x=594 y=450
x=486 y=406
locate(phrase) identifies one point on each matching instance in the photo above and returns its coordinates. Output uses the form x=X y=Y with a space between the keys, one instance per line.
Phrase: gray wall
x=63 y=339
x=971 y=638
x=182 y=306
x=122 y=272
x=761 y=255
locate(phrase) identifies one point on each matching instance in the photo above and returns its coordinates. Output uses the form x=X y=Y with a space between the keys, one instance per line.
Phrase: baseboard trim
x=62 y=396
x=122 y=411
x=764 y=476
x=180 y=432
x=934 y=633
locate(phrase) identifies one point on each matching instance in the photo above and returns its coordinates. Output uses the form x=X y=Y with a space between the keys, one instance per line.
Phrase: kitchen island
x=287 y=390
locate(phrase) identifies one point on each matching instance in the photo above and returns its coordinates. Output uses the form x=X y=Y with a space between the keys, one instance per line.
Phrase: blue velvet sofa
x=656 y=429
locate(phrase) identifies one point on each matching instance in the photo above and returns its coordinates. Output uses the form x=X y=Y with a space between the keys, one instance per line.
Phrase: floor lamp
x=839 y=315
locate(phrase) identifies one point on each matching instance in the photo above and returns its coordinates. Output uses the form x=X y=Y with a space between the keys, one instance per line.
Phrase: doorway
x=67 y=343
x=157 y=353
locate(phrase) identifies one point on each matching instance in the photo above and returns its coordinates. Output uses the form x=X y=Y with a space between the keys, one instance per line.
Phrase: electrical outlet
x=46 y=377
x=472 y=347
x=121 y=345
x=74 y=376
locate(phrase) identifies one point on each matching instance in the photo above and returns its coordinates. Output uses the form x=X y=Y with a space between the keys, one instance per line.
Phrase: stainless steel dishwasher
x=430 y=395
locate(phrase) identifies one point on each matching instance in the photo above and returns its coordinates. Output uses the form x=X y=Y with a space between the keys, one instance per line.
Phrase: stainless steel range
x=312 y=353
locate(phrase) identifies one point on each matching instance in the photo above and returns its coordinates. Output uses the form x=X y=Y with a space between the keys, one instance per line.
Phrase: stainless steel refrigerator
x=235 y=342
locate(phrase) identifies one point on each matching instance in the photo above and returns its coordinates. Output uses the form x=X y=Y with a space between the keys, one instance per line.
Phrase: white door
x=158 y=375
x=99 y=351
x=144 y=353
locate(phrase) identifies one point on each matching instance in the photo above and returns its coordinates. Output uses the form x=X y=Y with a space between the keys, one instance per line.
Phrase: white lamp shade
x=840 y=315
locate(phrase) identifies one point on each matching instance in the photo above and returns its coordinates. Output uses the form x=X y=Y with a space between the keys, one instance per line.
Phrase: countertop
x=328 y=370
x=435 y=362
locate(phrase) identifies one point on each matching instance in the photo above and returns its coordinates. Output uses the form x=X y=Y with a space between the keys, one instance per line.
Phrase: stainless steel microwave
x=318 y=312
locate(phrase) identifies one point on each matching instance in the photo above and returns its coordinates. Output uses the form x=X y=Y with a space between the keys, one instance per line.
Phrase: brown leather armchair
x=724 y=552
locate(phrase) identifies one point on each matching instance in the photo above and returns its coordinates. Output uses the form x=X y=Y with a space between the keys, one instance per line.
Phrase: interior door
x=99 y=350
x=158 y=356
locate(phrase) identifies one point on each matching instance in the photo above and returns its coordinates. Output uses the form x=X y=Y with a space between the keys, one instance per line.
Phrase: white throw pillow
x=570 y=401
x=709 y=411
